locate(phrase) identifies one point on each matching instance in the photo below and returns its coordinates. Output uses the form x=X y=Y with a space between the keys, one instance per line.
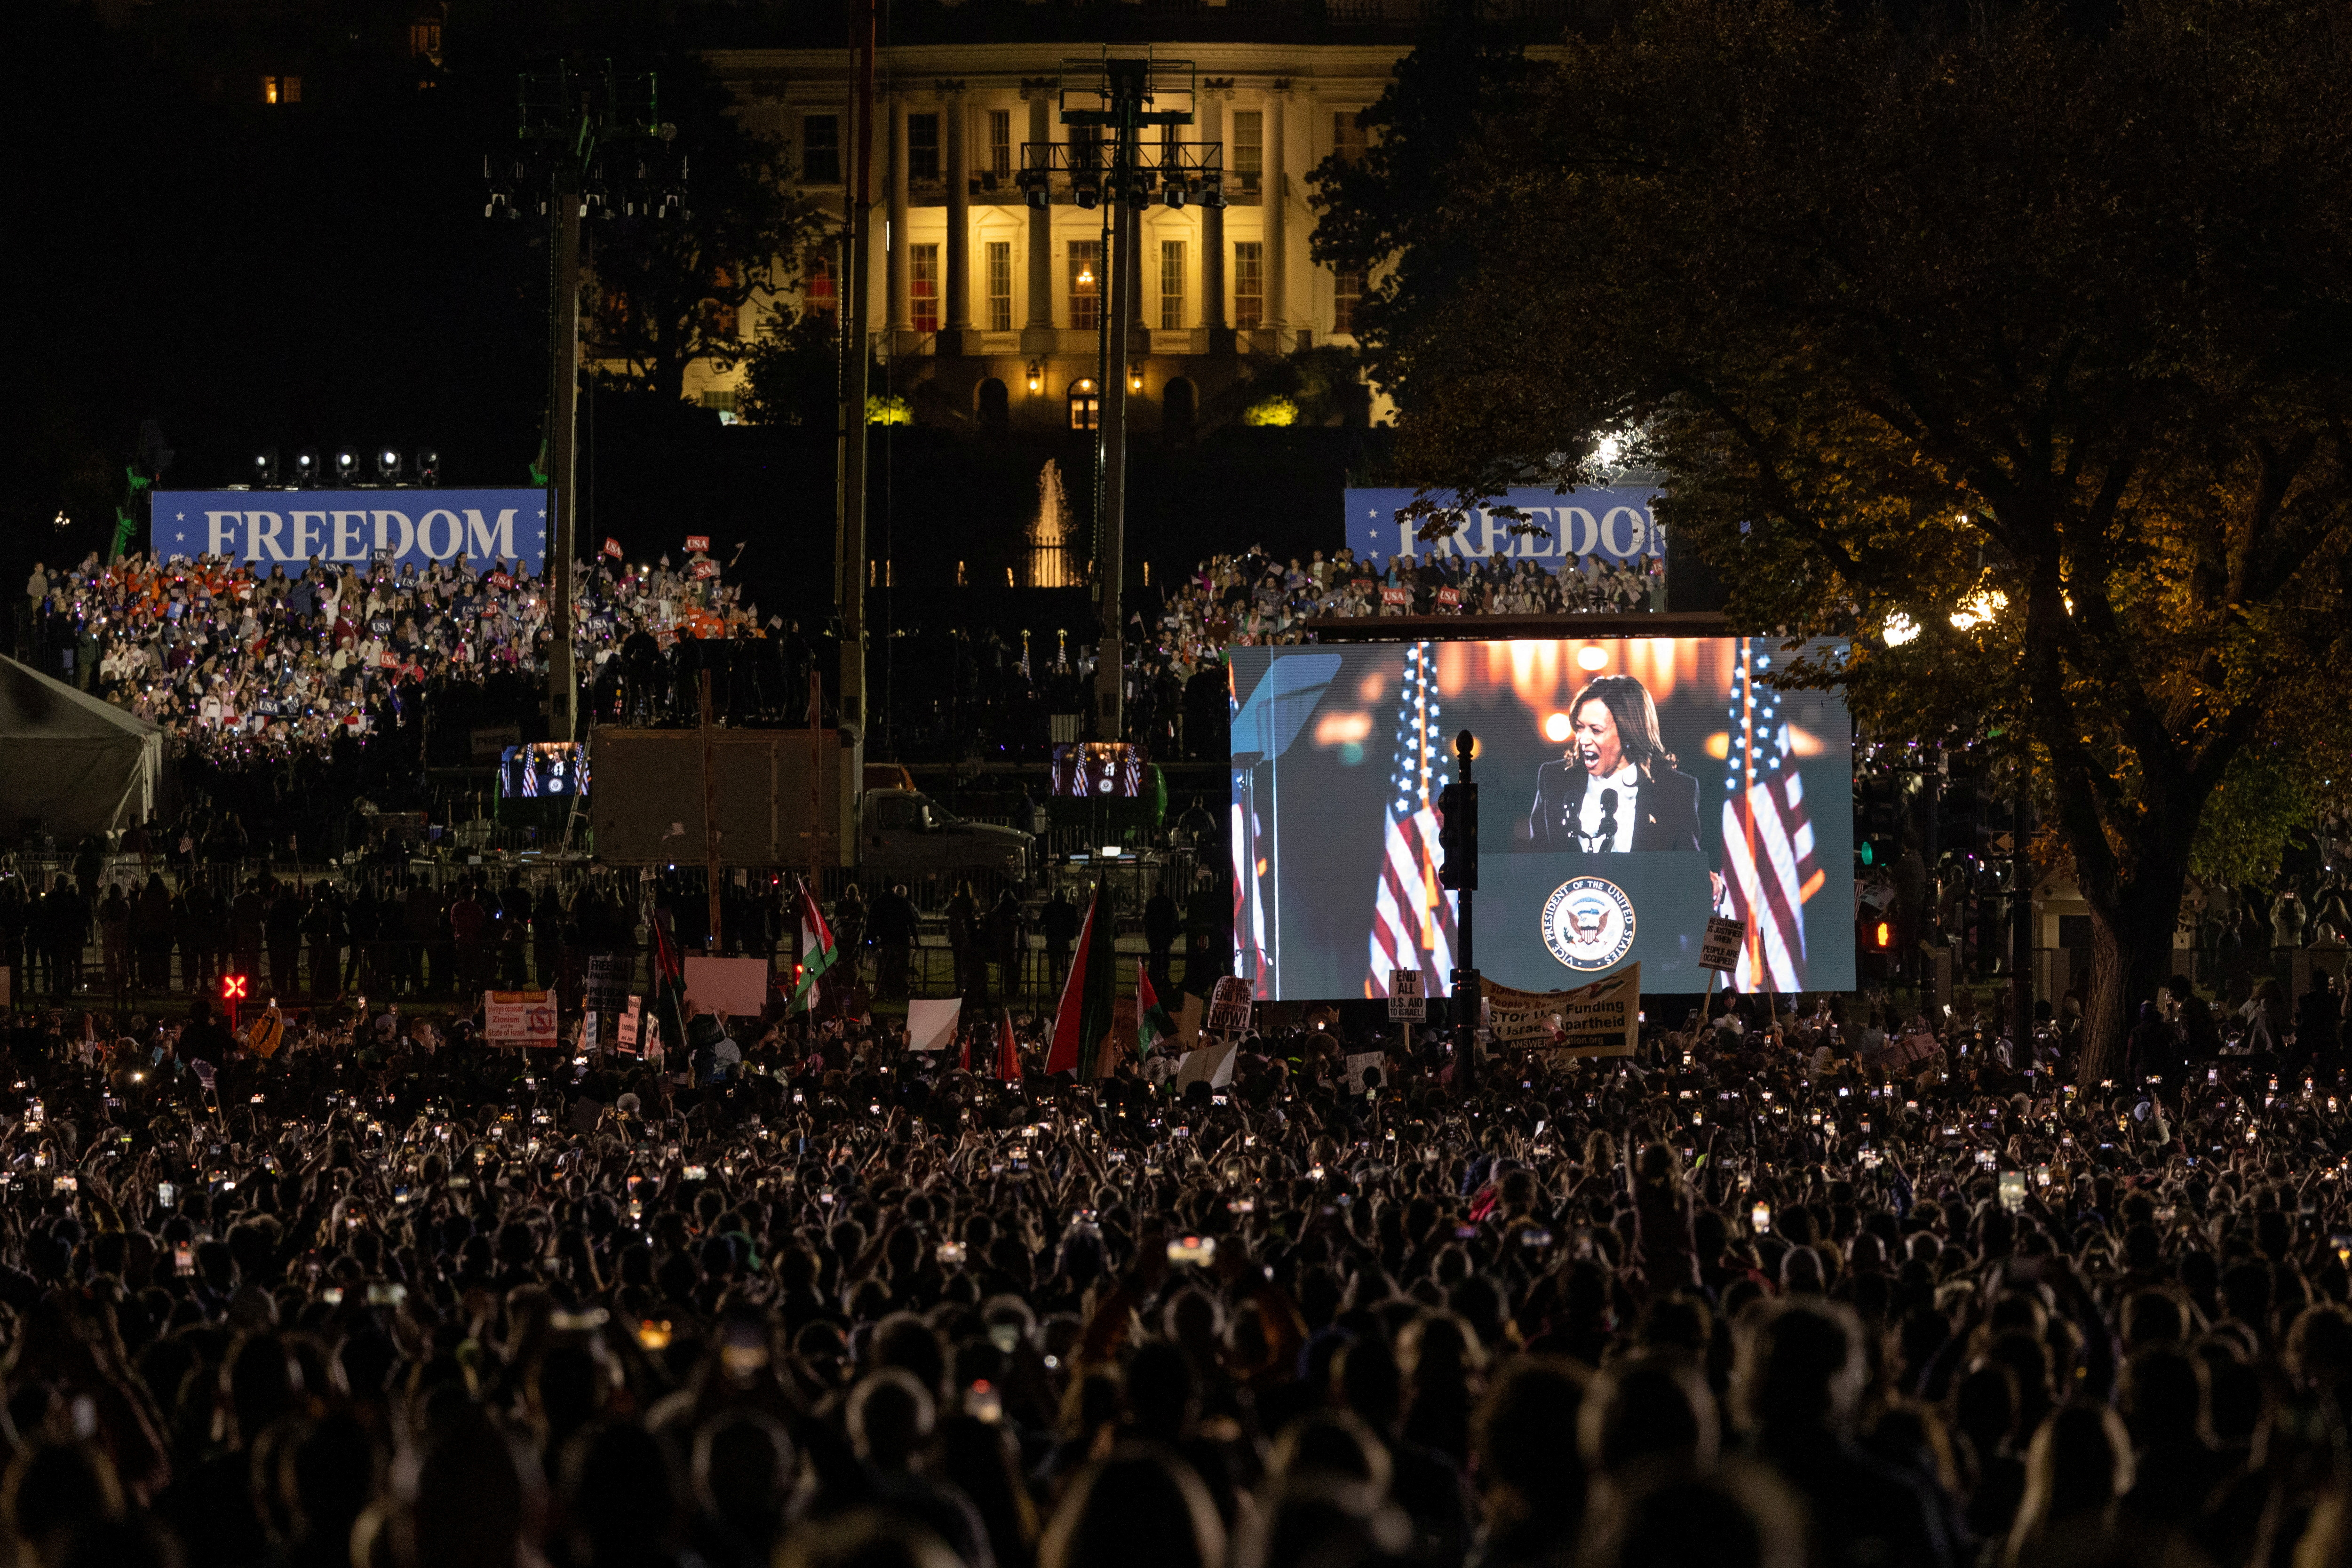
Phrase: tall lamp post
x=592 y=146
x=1115 y=168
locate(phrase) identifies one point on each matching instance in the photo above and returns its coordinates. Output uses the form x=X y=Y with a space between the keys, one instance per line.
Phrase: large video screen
x=1627 y=789
x=543 y=770
x=1089 y=769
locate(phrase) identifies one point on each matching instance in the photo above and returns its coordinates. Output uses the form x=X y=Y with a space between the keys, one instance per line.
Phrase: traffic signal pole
x=1457 y=805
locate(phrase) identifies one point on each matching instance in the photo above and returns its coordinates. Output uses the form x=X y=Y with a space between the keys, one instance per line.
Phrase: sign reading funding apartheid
x=263 y=529
x=1603 y=1019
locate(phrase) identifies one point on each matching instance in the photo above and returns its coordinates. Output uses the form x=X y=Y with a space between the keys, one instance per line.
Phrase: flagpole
x=1748 y=797
x=710 y=814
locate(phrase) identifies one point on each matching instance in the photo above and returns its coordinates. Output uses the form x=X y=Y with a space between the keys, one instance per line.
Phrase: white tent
x=79 y=764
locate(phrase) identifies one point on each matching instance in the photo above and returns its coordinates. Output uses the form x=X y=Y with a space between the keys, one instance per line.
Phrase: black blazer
x=1667 y=803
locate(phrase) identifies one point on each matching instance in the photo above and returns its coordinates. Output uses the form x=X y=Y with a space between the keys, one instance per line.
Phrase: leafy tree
x=792 y=373
x=2033 y=343
x=1389 y=213
x=665 y=294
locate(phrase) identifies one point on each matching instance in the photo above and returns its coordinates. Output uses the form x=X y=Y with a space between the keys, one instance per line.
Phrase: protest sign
x=519 y=1017
x=932 y=1025
x=607 y=988
x=1360 y=1062
x=1603 y=1019
x=1406 y=1002
x=1211 y=1065
x=1901 y=1051
x=732 y=987
x=1719 y=949
x=1229 y=1008
x=625 y=1031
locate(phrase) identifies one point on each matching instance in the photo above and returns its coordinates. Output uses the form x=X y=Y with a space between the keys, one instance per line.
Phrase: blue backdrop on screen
x=1616 y=523
x=1627 y=788
x=264 y=528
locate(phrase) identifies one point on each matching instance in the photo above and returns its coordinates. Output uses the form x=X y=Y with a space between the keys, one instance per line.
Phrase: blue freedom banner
x=262 y=528
x=1617 y=524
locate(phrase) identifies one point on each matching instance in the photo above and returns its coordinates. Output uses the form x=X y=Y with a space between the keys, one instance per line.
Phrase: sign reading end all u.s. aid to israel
x=263 y=529
x=1616 y=523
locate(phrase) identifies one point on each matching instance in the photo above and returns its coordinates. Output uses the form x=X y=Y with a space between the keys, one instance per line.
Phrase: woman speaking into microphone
x=1616 y=790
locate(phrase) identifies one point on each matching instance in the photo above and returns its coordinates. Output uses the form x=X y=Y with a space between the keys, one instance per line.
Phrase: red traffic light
x=1882 y=936
x=232 y=987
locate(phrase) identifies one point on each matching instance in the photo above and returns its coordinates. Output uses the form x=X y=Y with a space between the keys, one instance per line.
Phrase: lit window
x=1249 y=284
x=1247 y=144
x=923 y=286
x=1171 y=285
x=820 y=150
x=819 y=291
x=1346 y=136
x=922 y=146
x=1085 y=404
x=999 y=285
x=424 y=39
x=1000 y=142
x=1086 y=285
x=1347 y=293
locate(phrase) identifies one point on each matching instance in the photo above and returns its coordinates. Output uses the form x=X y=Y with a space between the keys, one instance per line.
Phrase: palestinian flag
x=817 y=952
x=1008 y=1053
x=1083 y=1022
x=1152 y=1024
x=670 y=986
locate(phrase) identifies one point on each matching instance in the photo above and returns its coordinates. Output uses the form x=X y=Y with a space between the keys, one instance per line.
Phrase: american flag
x=1768 y=840
x=1412 y=918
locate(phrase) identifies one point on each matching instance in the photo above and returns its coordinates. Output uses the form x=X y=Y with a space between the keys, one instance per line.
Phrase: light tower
x=593 y=146
x=1114 y=168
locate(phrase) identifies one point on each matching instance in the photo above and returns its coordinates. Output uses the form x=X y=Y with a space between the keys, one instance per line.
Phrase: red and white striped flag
x=1412 y=917
x=1769 y=864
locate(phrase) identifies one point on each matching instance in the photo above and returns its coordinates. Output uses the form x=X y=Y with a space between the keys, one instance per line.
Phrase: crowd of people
x=1252 y=599
x=235 y=662
x=244 y=669
x=1781 y=1290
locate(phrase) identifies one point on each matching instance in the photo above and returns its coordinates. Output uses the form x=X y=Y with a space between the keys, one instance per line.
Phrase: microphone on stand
x=1608 y=835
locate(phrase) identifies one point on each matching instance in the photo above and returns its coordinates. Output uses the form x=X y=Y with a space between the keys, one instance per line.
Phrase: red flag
x=1008 y=1054
x=1083 y=1021
x=698 y=542
x=612 y=547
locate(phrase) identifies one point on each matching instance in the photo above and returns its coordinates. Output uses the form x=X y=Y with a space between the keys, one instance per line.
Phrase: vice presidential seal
x=1588 y=922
